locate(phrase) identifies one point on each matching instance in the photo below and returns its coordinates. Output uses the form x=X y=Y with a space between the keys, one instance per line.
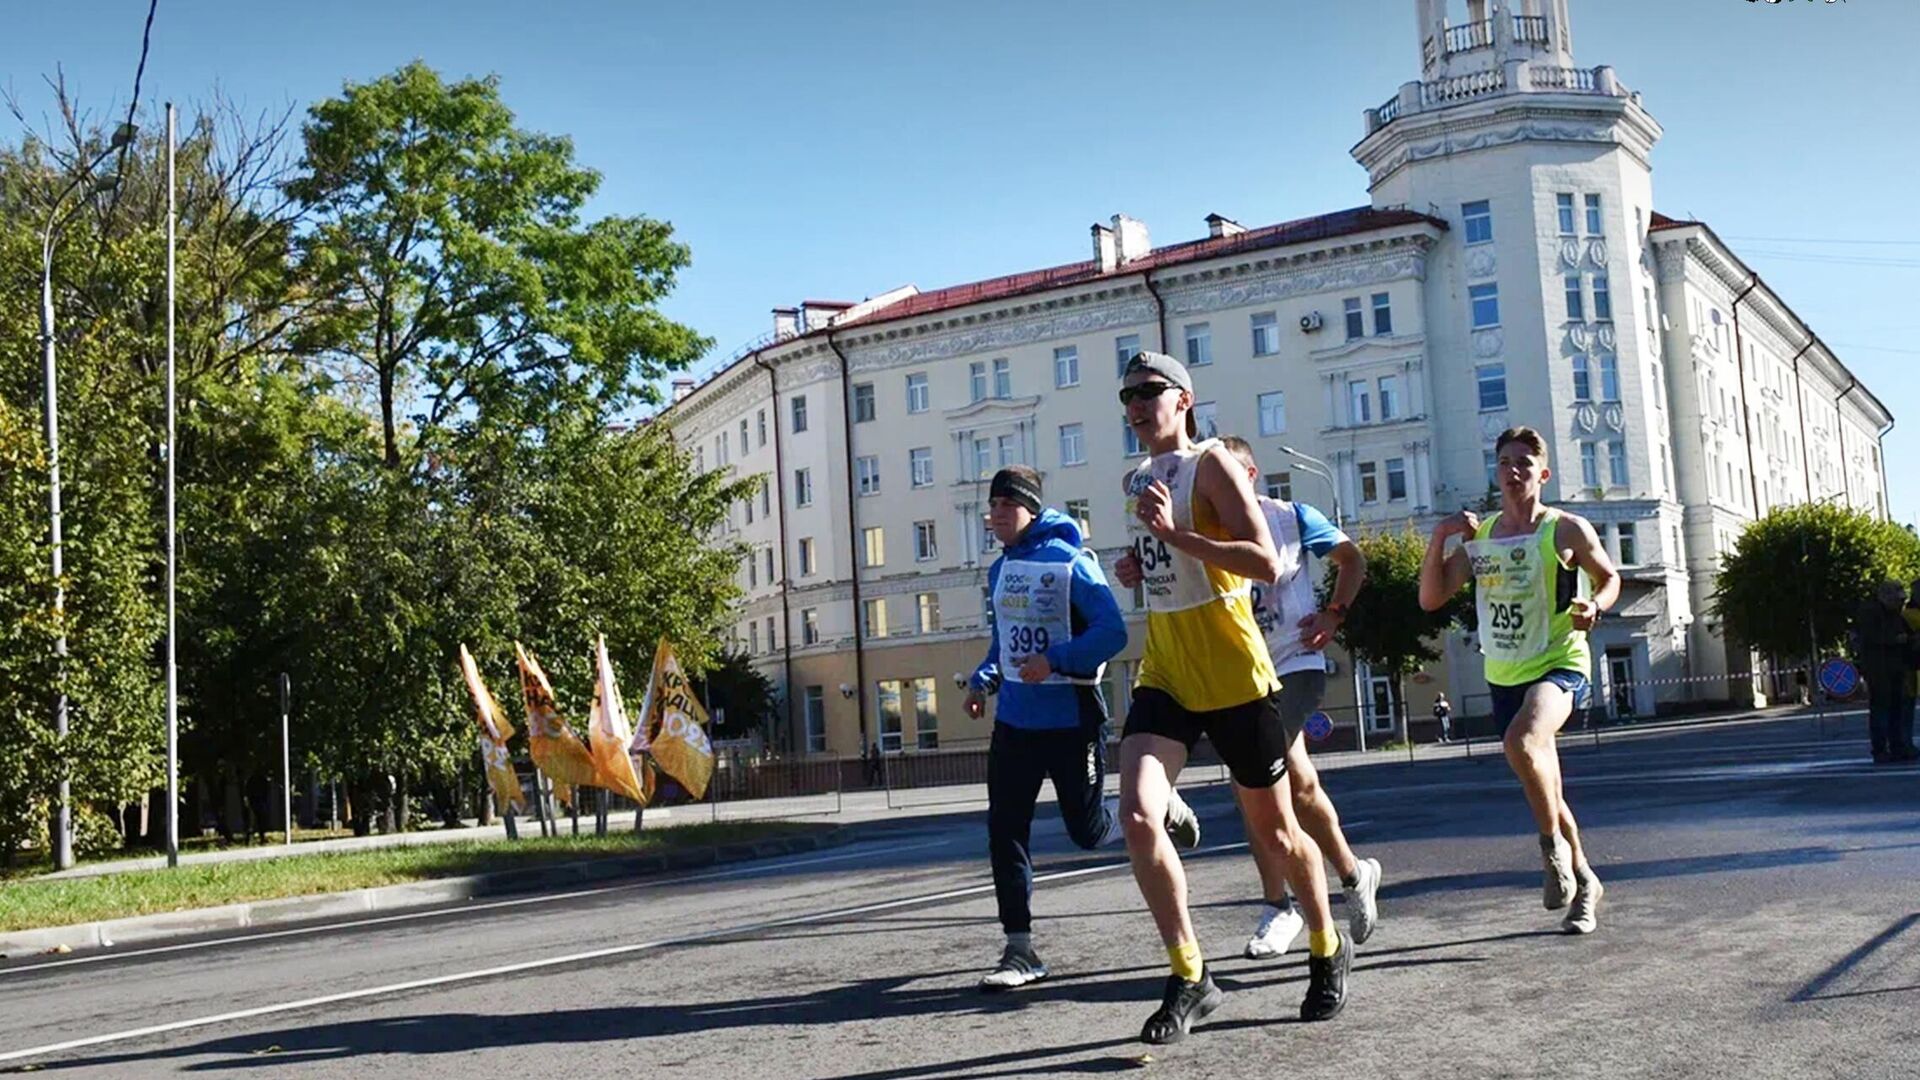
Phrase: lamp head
x=122 y=136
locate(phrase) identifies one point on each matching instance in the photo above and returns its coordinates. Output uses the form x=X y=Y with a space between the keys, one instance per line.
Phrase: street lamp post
x=62 y=838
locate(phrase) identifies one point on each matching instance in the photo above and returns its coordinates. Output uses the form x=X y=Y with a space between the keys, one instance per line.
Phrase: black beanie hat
x=1020 y=485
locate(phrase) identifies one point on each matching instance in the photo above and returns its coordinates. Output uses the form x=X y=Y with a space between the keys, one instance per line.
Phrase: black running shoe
x=1327 y=983
x=1183 y=1005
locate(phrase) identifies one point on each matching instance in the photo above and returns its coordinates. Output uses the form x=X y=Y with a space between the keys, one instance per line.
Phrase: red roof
x=1305 y=230
x=1657 y=221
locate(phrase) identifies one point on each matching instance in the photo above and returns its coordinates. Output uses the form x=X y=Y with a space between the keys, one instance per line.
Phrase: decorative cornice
x=1417 y=343
x=1501 y=120
x=1286 y=282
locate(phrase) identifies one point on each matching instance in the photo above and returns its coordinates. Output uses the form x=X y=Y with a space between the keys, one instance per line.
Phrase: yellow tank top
x=1203 y=646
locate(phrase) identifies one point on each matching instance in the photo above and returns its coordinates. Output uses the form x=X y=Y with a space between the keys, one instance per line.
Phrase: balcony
x=1467 y=37
x=1517 y=77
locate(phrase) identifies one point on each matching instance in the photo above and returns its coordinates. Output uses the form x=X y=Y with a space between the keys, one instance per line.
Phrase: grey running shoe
x=1557 y=874
x=1182 y=1005
x=1583 y=915
x=1017 y=968
x=1183 y=825
x=1275 y=933
x=1363 y=908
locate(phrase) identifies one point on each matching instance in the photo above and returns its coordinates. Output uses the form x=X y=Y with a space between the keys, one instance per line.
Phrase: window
x=1369 y=483
x=929 y=606
x=868 y=470
x=700 y=459
x=925 y=547
x=1593 y=215
x=1125 y=348
x=1396 y=478
x=1382 y=314
x=1609 y=378
x=799 y=413
x=1206 y=420
x=1073 y=444
x=926 y=719
x=1486 y=305
x=1629 y=544
x=920 y=462
x=760 y=425
x=1389 y=397
x=1659 y=387
x=1009 y=448
x=918 y=399
x=1131 y=441
x=888 y=704
x=1356 y=320
x=748 y=504
x=771 y=643
x=1576 y=305
x=976 y=381
x=805 y=558
x=1602 y=298
x=810 y=626
x=1564 y=202
x=753 y=572
x=766 y=500
x=1002 y=377
x=874 y=617
x=1492 y=379
x=1273 y=412
x=720 y=449
x=1359 y=402
x=1266 y=334
x=753 y=638
x=1590 y=464
x=815 y=712
x=1066 y=367
x=1617 y=462
x=768 y=554
x=1491 y=462
x=803 y=487
x=1477 y=221
x=743 y=436
x=1582 y=378
x=874 y=543
x=1280 y=486
x=1082 y=514
x=982 y=458
x=1199 y=344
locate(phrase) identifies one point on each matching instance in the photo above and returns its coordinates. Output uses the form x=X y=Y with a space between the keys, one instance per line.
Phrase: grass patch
x=60 y=901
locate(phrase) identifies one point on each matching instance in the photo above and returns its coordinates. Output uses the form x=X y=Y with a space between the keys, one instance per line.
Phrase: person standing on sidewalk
x=1527 y=564
x=1053 y=626
x=1443 y=715
x=1883 y=644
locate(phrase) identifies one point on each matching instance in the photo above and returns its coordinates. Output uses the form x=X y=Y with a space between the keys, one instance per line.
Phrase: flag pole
x=173 y=671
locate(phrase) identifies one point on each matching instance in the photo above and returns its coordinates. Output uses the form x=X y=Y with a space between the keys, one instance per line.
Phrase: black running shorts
x=1252 y=739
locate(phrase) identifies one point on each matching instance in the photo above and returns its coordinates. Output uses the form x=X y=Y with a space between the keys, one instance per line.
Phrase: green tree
x=1795 y=577
x=746 y=696
x=1386 y=627
x=26 y=638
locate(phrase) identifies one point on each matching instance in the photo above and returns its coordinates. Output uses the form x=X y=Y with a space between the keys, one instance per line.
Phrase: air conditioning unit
x=1310 y=322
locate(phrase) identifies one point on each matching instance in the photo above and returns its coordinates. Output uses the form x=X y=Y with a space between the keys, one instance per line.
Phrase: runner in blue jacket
x=1053 y=626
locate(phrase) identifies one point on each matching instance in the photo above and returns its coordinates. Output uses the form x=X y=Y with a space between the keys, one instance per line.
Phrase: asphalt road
x=1762 y=920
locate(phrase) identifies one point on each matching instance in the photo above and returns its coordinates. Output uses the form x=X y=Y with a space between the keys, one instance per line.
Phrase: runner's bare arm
x=1577 y=541
x=1221 y=481
x=1442 y=575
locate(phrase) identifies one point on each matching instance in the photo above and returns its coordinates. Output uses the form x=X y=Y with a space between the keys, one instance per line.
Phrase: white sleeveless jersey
x=1278 y=606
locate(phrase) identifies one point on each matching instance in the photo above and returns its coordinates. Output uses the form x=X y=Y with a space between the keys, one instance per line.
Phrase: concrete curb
x=142 y=929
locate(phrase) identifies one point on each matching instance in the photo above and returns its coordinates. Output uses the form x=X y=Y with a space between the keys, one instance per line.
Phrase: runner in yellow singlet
x=1533 y=622
x=1199 y=537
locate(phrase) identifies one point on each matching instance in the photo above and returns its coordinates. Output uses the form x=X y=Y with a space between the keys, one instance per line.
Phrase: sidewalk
x=864 y=807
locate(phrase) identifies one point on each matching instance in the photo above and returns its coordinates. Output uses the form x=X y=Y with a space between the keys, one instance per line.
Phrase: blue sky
x=838 y=150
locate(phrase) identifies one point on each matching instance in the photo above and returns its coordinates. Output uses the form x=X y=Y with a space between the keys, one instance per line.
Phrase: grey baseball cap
x=1162 y=365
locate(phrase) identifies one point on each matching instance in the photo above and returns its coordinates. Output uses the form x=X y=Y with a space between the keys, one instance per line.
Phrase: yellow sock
x=1323 y=943
x=1186 y=959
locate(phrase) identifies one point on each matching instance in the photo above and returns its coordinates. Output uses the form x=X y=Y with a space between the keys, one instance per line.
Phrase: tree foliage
x=1807 y=569
x=1386 y=627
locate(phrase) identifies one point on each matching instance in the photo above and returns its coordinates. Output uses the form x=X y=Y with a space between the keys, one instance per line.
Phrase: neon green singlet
x=1526 y=629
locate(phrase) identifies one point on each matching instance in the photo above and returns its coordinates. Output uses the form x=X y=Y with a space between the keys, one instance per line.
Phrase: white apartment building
x=1510 y=268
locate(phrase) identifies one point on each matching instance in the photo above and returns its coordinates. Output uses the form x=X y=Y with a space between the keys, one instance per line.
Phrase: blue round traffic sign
x=1319 y=726
x=1839 y=678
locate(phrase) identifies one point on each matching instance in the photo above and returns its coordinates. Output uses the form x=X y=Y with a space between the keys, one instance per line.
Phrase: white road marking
x=491 y=905
x=558 y=961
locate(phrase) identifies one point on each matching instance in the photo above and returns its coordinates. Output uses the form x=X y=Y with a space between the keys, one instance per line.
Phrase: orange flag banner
x=608 y=733
x=495 y=730
x=557 y=751
x=674 y=725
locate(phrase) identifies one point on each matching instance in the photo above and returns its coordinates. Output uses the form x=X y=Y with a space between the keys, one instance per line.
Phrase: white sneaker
x=1363 y=908
x=1017 y=968
x=1183 y=825
x=1556 y=880
x=1274 y=934
x=1583 y=915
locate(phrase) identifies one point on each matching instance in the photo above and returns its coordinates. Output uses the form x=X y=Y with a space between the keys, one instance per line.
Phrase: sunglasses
x=1144 y=392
